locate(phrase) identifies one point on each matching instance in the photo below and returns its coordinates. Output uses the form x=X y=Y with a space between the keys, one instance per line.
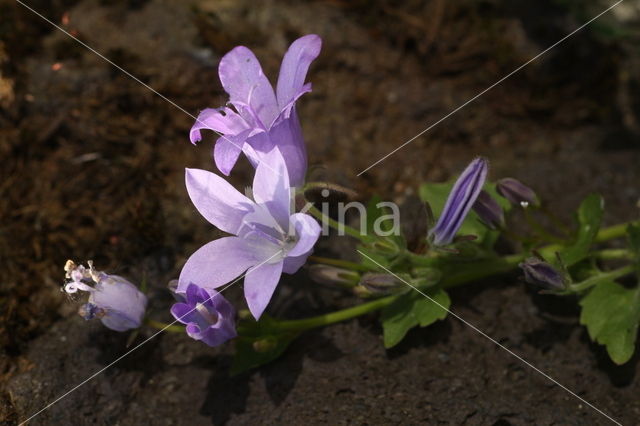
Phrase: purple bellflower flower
x=113 y=299
x=267 y=238
x=460 y=200
x=208 y=317
x=260 y=118
x=489 y=211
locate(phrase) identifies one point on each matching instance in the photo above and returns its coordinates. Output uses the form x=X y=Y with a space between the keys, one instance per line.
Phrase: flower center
x=211 y=318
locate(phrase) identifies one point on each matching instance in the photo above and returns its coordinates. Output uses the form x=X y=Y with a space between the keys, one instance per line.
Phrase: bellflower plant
x=209 y=318
x=261 y=118
x=113 y=299
x=268 y=238
x=392 y=273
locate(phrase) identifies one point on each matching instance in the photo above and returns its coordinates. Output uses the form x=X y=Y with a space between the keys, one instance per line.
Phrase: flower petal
x=293 y=263
x=289 y=140
x=259 y=285
x=307 y=231
x=271 y=187
x=220 y=120
x=227 y=150
x=242 y=77
x=295 y=65
x=216 y=200
x=217 y=263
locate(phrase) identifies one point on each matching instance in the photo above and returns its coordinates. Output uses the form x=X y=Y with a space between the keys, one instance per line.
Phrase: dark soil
x=93 y=163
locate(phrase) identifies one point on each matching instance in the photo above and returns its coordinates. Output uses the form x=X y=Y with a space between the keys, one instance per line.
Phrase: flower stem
x=333 y=317
x=596 y=279
x=485 y=269
x=341 y=227
x=162 y=326
x=339 y=263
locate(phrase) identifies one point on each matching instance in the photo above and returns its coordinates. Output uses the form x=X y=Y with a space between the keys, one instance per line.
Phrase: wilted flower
x=489 y=210
x=462 y=197
x=540 y=273
x=516 y=192
x=380 y=283
x=261 y=118
x=113 y=299
x=208 y=316
x=331 y=275
x=268 y=240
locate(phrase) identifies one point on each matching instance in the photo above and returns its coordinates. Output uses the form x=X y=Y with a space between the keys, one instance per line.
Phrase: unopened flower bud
x=542 y=274
x=462 y=196
x=331 y=275
x=380 y=283
x=516 y=192
x=489 y=210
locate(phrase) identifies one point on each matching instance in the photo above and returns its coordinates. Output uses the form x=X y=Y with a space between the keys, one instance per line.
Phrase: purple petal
x=461 y=199
x=182 y=311
x=217 y=263
x=123 y=302
x=220 y=120
x=293 y=263
x=216 y=200
x=307 y=231
x=242 y=77
x=288 y=137
x=259 y=285
x=227 y=150
x=271 y=187
x=293 y=70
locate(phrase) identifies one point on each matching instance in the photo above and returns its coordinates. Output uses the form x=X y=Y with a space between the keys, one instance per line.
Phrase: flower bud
x=462 y=196
x=489 y=210
x=330 y=275
x=516 y=192
x=208 y=317
x=380 y=283
x=113 y=299
x=542 y=274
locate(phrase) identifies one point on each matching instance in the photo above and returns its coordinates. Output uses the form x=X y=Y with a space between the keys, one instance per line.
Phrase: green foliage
x=384 y=249
x=258 y=343
x=633 y=236
x=436 y=195
x=611 y=314
x=589 y=219
x=410 y=310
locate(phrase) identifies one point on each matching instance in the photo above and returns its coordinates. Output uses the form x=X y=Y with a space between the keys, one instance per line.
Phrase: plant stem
x=487 y=268
x=166 y=327
x=339 y=263
x=340 y=227
x=596 y=279
x=610 y=254
x=333 y=317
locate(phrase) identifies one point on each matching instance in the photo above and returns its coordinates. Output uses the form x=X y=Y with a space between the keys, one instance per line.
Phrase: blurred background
x=92 y=166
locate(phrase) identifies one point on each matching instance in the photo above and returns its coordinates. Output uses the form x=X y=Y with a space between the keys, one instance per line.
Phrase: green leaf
x=259 y=343
x=633 y=235
x=436 y=195
x=412 y=309
x=611 y=314
x=589 y=219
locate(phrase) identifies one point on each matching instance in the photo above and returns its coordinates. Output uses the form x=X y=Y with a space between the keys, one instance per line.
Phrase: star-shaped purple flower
x=268 y=239
x=209 y=317
x=260 y=118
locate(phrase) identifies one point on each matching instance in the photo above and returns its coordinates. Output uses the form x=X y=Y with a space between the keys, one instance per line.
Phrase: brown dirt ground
x=92 y=168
